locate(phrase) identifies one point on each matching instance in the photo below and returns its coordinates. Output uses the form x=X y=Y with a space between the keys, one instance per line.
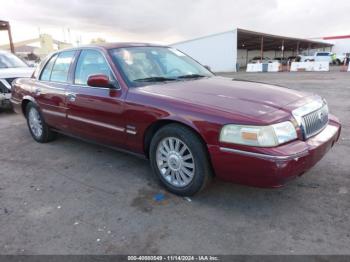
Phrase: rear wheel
x=179 y=159
x=39 y=130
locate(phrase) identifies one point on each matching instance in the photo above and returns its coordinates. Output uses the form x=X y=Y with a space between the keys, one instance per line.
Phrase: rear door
x=50 y=89
x=95 y=112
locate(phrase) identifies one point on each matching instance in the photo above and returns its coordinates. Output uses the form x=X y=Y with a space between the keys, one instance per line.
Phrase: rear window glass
x=61 y=68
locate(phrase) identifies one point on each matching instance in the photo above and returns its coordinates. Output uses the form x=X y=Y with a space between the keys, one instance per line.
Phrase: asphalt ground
x=72 y=197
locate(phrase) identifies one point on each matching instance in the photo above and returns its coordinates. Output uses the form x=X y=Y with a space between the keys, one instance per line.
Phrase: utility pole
x=5 y=26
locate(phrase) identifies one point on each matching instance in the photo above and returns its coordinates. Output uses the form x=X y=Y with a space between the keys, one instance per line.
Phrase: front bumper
x=274 y=166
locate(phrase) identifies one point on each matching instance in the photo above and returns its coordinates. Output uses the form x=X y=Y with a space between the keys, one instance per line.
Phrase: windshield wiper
x=155 y=79
x=190 y=76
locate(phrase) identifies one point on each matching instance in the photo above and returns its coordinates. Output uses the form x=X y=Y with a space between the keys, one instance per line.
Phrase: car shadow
x=219 y=195
x=226 y=195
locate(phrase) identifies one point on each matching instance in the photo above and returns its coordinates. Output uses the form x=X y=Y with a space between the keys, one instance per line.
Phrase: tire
x=190 y=170
x=39 y=130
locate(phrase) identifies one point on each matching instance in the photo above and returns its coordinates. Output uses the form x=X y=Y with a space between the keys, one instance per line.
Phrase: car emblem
x=321 y=116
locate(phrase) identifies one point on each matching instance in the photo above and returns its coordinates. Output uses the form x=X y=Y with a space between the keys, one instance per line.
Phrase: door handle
x=71 y=97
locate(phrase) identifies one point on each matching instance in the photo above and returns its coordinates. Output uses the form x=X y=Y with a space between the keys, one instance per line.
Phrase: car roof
x=125 y=44
x=111 y=46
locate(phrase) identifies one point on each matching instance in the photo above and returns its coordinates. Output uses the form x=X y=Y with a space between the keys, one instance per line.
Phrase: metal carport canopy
x=251 y=40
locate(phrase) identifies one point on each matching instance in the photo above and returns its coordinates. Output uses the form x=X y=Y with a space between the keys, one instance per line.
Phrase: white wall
x=341 y=46
x=217 y=51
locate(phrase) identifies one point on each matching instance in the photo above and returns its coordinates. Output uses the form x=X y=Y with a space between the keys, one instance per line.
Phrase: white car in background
x=11 y=67
x=324 y=57
x=257 y=59
x=318 y=57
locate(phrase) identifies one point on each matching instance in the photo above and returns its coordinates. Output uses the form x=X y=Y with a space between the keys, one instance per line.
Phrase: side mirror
x=99 y=81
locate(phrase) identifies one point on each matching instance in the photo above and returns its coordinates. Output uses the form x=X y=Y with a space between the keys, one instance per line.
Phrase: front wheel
x=180 y=160
x=39 y=130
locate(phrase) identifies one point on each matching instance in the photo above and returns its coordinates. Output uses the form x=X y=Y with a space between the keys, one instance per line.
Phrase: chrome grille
x=314 y=122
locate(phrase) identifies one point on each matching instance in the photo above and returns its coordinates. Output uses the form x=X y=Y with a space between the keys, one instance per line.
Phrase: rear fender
x=25 y=100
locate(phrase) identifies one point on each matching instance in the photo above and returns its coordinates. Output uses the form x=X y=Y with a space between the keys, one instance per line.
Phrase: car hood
x=251 y=99
x=16 y=72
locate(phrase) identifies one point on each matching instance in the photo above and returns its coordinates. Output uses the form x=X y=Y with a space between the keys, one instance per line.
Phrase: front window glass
x=91 y=62
x=61 y=68
x=156 y=64
x=8 y=60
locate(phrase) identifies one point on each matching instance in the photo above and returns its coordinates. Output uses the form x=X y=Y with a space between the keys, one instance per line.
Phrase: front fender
x=181 y=120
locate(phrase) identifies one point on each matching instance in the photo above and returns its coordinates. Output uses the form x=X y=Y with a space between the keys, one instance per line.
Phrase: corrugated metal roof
x=251 y=40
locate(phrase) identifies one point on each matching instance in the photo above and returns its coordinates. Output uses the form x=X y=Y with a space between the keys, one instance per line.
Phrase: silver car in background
x=11 y=67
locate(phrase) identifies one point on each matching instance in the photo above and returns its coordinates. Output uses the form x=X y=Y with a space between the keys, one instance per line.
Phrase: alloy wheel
x=35 y=123
x=175 y=162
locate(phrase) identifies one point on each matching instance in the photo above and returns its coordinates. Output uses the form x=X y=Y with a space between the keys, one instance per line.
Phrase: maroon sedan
x=158 y=103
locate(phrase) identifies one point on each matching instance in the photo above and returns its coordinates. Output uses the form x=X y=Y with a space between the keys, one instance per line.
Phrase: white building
x=225 y=52
x=341 y=44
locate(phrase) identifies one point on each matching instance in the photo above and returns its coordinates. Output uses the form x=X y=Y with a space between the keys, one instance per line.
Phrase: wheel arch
x=25 y=101
x=157 y=125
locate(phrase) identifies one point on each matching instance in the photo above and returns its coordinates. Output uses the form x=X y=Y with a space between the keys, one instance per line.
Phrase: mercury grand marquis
x=158 y=103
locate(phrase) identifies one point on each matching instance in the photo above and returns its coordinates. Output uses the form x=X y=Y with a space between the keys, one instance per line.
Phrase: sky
x=169 y=21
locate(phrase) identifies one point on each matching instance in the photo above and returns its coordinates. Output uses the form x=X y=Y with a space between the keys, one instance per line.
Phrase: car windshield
x=8 y=60
x=140 y=65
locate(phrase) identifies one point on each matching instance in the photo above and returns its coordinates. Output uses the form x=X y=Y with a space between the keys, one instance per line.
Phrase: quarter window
x=91 y=62
x=61 y=68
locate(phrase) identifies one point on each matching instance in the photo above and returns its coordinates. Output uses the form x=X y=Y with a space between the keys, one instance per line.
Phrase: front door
x=95 y=112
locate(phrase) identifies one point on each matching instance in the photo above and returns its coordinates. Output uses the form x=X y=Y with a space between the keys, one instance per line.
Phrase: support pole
x=10 y=38
x=262 y=49
x=298 y=46
x=282 y=49
x=246 y=58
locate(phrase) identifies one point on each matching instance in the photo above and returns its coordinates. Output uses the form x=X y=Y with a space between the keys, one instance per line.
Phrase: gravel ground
x=71 y=197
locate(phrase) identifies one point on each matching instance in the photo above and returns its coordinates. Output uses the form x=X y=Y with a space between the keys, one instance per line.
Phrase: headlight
x=262 y=136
